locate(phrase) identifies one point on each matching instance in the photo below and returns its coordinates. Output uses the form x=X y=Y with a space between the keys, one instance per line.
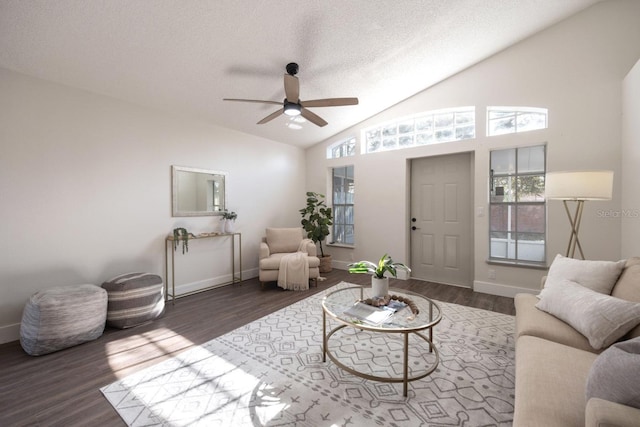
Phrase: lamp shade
x=579 y=185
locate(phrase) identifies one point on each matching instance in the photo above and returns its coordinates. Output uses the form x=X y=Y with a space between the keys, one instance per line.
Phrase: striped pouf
x=134 y=299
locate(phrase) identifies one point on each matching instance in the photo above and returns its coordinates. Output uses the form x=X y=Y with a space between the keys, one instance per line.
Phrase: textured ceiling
x=185 y=56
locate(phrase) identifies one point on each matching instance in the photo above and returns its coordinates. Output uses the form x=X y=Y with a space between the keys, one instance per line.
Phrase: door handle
x=415 y=228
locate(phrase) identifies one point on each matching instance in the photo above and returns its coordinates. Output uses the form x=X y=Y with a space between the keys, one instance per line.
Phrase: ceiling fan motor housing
x=292 y=68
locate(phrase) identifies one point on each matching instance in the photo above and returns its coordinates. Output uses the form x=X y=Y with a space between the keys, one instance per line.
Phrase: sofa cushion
x=628 y=287
x=603 y=319
x=615 y=374
x=550 y=383
x=283 y=239
x=535 y=322
x=599 y=276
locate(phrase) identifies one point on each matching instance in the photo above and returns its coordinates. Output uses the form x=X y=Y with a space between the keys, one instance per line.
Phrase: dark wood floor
x=62 y=388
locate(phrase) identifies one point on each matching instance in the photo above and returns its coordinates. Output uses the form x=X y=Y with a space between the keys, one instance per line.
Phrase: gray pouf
x=61 y=317
x=134 y=299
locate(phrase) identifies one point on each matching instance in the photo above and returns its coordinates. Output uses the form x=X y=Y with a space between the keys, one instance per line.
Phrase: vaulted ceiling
x=184 y=57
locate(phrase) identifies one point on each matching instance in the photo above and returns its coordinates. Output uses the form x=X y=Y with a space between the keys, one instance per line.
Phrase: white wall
x=630 y=208
x=85 y=189
x=574 y=69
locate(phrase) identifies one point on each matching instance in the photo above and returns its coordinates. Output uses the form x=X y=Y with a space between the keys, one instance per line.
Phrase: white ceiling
x=185 y=56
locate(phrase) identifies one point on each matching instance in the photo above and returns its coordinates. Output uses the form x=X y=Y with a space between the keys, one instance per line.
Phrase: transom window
x=517 y=227
x=343 y=191
x=427 y=128
x=344 y=148
x=503 y=120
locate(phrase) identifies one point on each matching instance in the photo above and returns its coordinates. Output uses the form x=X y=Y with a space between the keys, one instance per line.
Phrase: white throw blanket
x=294 y=269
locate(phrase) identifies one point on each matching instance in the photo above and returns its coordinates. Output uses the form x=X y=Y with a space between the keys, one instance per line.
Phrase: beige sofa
x=554 y=361
x=279 y=242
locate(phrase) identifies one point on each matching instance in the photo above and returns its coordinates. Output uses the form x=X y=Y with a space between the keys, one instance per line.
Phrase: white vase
x=379 y=287
x=229 y=226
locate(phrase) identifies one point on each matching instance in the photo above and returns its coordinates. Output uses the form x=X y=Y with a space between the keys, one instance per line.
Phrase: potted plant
x=379 y=282
x=181 y=234
x=229 y=217
x=316 y=220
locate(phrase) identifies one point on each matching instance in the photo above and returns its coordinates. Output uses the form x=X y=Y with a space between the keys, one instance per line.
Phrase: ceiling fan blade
x=271 y=116
x=291 y=88
x=313 y=117
x=330 y=102
x=259 y=101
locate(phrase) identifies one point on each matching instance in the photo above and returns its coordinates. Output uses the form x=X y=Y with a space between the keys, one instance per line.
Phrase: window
x=342 y=149
x=517 y=205
x=343 y=190
x=427 y=128
x=502 y=120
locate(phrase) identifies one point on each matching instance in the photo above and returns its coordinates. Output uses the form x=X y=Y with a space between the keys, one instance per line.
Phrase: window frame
x=391 y=131
x=344 y=148
x=514 y=113
x=341 y=208
x=514 y=205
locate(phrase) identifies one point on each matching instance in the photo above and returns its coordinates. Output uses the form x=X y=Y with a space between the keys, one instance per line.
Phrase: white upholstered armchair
x=280 y=242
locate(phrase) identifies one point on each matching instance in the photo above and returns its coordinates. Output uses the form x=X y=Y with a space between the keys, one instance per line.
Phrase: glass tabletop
x=347 y=305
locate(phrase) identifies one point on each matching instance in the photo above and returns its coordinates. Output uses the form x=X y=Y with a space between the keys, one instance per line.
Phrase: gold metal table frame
x=424 y=321
x=170 y=279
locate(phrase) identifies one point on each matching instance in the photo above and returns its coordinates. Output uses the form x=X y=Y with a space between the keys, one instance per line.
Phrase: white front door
x=441 y=219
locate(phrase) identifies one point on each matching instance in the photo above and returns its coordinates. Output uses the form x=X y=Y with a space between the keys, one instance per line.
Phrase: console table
x=236 y=277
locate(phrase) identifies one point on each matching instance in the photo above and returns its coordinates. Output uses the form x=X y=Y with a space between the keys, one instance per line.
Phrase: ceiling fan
x=293 y=106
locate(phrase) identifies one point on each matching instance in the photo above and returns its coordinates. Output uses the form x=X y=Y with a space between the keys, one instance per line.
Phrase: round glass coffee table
x=347 y=306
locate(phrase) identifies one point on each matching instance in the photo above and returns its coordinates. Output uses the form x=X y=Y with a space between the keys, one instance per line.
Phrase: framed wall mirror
x=198 y=192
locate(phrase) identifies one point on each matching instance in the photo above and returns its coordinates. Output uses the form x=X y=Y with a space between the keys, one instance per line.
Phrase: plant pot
x=325 y=264
x=229 y=226
x=379 y=287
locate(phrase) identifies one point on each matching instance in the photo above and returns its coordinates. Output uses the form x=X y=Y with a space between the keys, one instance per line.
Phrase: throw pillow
x=600 y=276
x=615 y=376
x=603 y=319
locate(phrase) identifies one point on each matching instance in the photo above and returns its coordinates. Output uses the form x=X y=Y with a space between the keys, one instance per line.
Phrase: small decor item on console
x=181 y=234
x=229 y=217
x=208 y=234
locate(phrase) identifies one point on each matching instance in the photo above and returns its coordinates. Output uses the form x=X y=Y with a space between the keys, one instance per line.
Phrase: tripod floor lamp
x=578 y=187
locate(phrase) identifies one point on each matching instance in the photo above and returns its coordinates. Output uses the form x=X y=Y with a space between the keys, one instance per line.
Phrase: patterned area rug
x=270 y=373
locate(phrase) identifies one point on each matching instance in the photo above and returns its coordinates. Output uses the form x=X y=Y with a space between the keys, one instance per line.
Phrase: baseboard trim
x=9 y=333
x=501 y=290
x=250 y=274
x=211 y=283
x=340 y=265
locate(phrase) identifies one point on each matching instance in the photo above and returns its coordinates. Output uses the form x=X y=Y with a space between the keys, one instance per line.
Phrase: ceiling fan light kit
x=291 y=109
x=292 y=105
